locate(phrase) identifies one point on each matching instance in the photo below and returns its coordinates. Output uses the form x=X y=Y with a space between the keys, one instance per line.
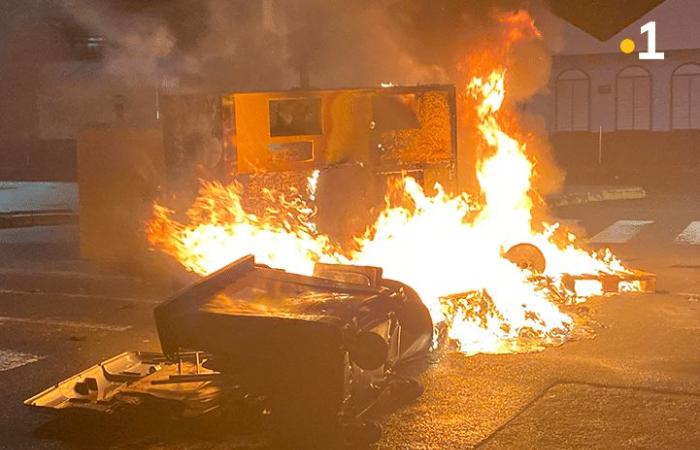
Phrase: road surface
x=631 y=379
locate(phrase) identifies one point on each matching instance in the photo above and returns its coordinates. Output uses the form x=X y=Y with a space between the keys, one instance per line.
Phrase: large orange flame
x=449 y=248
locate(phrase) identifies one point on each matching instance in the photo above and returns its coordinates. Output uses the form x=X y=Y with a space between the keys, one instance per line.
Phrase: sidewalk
x=26 y=204
x=28 y=196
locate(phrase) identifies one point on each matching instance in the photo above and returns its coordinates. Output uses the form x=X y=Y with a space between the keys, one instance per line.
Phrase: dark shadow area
x=38 y=160
x=655 y=160
x=157 y=424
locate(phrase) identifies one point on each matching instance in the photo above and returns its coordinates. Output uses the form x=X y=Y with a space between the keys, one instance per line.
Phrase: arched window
x=633 y=99
x=572 y=94
x=685 y=97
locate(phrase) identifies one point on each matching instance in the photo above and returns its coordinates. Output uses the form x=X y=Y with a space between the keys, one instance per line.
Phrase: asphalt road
x=631 y=379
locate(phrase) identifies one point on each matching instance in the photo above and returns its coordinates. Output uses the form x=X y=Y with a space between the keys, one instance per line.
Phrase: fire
x=450 y=248
x=221 y=231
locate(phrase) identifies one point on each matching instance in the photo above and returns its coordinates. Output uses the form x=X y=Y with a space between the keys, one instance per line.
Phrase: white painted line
x=76 y=295
x=65 y=323
x=10 y=360
x=691 y=234
x=620 y=232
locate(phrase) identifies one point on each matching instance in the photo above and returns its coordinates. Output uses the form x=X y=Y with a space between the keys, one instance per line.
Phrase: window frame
x=318 y=105
x=674 y=75
x=559 y=79
x=620 y=76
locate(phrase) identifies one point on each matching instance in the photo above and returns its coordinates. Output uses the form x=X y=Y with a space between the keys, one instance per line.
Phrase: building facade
x=616 y=116
x=614 y=92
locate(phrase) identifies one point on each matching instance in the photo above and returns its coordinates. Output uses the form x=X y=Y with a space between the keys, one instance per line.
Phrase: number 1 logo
x=650 y=29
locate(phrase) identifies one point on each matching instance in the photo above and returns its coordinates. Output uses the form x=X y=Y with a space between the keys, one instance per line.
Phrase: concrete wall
x=120 y=174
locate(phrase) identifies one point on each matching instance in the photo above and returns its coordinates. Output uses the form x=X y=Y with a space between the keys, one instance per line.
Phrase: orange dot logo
x=627 y=46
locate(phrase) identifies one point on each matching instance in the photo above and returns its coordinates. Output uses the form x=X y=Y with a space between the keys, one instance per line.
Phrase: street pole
x=600 y=145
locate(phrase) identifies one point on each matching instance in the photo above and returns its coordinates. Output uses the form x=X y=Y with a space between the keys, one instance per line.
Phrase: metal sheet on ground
x=10 y=359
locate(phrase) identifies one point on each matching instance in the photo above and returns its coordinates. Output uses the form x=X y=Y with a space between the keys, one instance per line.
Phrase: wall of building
x=626 y=156
x=656 y=155
x=602 y=61
x=602 y=71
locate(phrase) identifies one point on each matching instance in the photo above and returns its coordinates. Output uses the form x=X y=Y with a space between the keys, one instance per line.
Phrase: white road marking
x=65 y=323
x=620 y=232
x=10 y=360
x=691 y=234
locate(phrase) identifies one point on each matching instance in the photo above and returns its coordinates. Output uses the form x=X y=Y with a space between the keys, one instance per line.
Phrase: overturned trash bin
x=326 y=352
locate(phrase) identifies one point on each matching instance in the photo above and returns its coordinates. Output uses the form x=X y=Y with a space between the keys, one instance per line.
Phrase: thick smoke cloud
x=239 y=44
x=219 y=45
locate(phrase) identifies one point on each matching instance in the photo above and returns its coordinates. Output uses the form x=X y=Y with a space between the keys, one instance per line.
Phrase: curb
x=598 y=195
x=33 y=219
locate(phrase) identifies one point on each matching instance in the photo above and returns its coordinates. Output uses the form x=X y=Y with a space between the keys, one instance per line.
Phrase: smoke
x=244 y=45
x=241 y=45
x=235 y=45
x=136 y=44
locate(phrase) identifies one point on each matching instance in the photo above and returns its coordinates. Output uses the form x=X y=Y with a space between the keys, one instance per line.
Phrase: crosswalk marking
x=10 y=359
x=620 y=232
x=691 y=234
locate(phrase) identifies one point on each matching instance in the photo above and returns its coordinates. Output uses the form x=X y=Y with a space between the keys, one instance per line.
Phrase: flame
x=440 y=254
x=449 y=248
x=221 y=231
x=519 y=26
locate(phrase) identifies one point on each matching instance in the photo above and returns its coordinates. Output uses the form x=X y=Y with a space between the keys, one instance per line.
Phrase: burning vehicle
x=327 y=351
